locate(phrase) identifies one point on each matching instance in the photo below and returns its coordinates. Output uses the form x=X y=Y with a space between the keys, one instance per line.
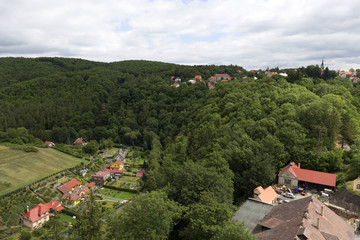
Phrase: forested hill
x=227 y=140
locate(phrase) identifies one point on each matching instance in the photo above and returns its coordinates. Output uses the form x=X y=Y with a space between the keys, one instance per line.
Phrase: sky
x=249 y=33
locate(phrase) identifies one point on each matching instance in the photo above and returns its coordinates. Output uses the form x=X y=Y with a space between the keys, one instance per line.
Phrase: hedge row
x=69 y=212
x=120 y=189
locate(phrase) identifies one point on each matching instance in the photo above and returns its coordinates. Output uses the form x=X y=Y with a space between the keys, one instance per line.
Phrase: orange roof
x=222 y=75
x=72 y=183
x=90 y=185
x=305 y=175
x=197 y=77
x=266 y=195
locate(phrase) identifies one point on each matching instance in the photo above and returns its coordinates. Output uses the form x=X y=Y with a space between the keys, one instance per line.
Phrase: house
x=192 y=81
x=100 y=177
x=219 y=77
x=283 y=74
x=38 y=215
x=83 y=172
x=268 y=195
x=49 y=144
x=75 y=196
x=292 y=175
x=345 y=74
x=177 y=79
x=356 y=187
x=80 y=141
x=69 y=186
x=118 y=165
x=251 y=212
x=73 y=192
x=197 y=77
x=306 y=218
x=176 y=85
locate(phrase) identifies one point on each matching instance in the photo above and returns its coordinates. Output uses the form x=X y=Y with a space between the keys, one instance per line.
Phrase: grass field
x=18 y=168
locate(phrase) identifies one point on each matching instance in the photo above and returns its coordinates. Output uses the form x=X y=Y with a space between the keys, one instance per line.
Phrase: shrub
x=30 y=149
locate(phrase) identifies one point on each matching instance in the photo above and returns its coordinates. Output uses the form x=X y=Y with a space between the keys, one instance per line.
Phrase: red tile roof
x=78 y=140
x=197 y=77
x=35 y=213
x=69 y=185
x=140 y=173
x=328 y=179
x=90 y=185
x=103 y=173
x=47 y=143
x=222 y=75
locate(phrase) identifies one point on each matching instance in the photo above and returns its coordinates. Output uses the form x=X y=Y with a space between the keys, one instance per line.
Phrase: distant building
x=38 y=215
x=73 y=192
x=292 y=175
x=100 y=177
x=80 y=141
x=197 y=77
x=219 y=77
x=49 y=144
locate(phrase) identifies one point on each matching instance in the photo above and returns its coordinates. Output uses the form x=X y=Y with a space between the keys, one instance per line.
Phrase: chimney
x=27 y=208
x=299 y=164
x=322 y=211
x=318 y=223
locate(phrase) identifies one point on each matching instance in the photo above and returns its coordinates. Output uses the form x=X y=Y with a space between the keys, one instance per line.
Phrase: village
x=112 y=175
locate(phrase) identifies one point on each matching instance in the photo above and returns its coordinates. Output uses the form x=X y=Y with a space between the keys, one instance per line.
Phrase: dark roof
x=252 y=212
x=343 y=198
x=298 y=219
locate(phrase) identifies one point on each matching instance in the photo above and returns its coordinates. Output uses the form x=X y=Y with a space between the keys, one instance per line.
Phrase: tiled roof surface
x=298 y=219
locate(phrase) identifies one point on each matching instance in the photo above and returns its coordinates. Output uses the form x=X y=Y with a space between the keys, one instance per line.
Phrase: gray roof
x=252 y=212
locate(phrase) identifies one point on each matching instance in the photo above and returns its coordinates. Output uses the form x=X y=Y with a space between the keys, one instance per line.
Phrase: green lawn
x=117 y=194
x=126 y=182
x=67 y=219
x=18 y=168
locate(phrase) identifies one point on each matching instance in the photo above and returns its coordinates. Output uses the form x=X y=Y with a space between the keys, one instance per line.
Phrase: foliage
x=148 y=216
x=89 y=223
x=206 y=218
x=234 y=231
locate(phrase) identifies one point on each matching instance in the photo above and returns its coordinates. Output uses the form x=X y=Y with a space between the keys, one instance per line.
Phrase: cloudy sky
x=248 y=33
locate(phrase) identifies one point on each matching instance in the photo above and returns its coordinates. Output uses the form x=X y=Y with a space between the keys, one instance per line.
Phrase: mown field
x=19 y=168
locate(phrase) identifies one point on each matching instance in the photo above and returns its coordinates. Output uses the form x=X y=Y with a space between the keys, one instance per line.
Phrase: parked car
x=289 y=195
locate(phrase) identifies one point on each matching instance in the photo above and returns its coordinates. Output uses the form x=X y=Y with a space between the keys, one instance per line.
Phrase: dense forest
x=208 y=148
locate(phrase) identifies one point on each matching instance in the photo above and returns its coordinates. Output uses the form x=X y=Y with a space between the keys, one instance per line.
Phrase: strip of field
x=18 y=168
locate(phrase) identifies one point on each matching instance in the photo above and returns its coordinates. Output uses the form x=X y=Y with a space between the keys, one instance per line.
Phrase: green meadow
x=19 y=168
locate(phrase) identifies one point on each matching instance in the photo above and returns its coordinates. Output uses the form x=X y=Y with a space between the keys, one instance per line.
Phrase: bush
x=25 y=235
x=30 y=149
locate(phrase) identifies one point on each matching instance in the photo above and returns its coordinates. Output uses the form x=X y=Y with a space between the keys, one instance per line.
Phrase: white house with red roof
x=292 y=175
x=49 y=144
x=219 y=77
x=80 y=141
x=38 y=215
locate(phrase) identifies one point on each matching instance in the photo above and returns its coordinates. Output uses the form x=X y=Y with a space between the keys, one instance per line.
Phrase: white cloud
x=248 y=33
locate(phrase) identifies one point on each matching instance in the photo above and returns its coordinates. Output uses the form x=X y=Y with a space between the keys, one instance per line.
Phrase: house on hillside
x=73 y=192
x=294 y=176
x=117 y=165
x=197 y=77
x=176 y=85
x=306 y=218
x=80 y=141
x=49 y=144
x=100 y=177
x=219 y=77
x=268 y=195
x=38 y=215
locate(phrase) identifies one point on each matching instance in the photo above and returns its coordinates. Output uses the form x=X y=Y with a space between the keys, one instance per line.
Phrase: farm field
x=19 y=168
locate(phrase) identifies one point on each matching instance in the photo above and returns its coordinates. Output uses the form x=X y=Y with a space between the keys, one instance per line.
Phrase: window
x=358 y=186
x=287 y=181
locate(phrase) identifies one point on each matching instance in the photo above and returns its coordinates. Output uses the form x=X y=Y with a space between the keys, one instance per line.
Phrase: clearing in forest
x=19 y=168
